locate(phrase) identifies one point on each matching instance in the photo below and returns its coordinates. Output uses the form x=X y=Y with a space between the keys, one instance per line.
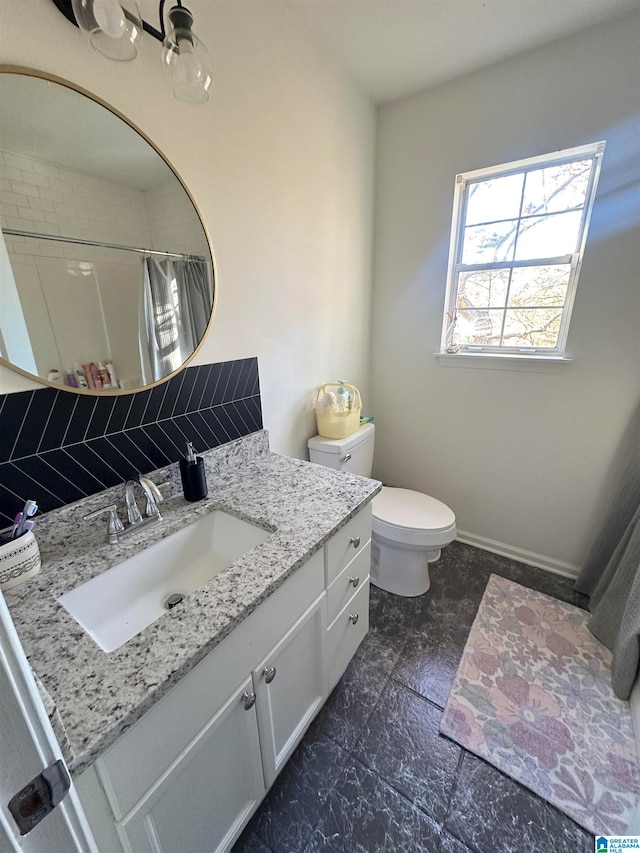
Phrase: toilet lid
x=411 y=510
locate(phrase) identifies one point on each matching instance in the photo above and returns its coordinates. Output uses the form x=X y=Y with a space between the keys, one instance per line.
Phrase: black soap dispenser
x=194 y=481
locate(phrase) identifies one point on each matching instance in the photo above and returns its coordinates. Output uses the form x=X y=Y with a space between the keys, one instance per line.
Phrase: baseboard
x=540 y=561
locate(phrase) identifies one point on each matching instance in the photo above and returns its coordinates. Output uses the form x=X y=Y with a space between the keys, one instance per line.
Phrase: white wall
x=524 y=459
x=280 y=164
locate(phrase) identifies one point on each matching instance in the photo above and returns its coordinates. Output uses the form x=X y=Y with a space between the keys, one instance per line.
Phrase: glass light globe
x=110 y=18
x=185 y=61
x=114 y=27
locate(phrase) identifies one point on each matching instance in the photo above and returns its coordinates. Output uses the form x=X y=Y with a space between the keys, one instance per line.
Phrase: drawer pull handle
x=355 y=541
x=269 y=673
x=353 y=618
x=354 y=581
x=346 y=457
x=248 y=700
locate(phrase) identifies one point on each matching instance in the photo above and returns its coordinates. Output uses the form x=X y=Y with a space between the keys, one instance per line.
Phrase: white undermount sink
x=119 y=603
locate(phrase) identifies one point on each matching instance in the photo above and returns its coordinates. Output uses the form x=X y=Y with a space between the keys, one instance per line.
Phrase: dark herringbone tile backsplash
x=57 y=447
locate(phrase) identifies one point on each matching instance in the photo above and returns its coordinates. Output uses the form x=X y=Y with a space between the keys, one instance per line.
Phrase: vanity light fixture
x=114 y=29
x=185 y=61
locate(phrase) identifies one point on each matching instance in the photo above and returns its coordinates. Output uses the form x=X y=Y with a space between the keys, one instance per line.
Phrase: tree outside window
x=518 y=237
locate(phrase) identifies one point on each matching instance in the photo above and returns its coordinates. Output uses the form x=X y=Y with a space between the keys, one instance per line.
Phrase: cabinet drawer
x=341 y=548
x=139 y=757
x=344 y=637
x=348 y=582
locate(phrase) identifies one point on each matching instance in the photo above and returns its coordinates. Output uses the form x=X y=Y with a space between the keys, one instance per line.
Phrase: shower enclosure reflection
x=103 y=257
x=144 y=311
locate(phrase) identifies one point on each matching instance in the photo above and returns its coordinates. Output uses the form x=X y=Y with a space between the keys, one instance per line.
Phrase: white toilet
x=409 y=528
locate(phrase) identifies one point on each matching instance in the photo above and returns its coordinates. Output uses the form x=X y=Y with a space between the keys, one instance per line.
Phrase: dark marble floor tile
x=430 y=659
x=364 y=815
x=249 y=842
x=347 y=709
x=463 y=572
x=380 y=651
x=295 y=803
x=449 y=844
x=394 y=615
x=401 y=743
x=493 y=814
x=412 y=779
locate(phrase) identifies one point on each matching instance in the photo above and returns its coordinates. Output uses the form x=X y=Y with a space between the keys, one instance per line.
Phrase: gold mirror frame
x=52 y=78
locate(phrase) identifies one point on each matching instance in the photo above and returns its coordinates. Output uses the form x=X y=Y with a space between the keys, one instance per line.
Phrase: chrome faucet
x=152 y=495
x=133 y=512
x=115 y=529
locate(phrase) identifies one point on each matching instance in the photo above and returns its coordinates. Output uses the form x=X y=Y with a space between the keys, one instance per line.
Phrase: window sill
x=510 y=361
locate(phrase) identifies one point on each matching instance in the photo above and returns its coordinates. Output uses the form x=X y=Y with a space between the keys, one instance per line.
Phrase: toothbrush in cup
x=20 y=526
x=17 y=521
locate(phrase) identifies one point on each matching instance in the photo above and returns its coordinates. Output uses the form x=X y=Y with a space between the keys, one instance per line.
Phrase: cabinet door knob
x=353 y=618
x=346 y=457
x=269 y=673
x=248 y=700
x=355 y=541
x=354 y=581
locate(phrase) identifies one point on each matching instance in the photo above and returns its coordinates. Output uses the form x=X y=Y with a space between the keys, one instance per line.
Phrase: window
x=518 y=236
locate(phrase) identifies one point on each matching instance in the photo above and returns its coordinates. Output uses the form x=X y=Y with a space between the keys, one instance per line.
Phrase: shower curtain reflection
x=176 y=308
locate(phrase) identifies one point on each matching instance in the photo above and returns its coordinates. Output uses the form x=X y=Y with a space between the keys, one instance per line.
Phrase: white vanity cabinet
x=191 y=772
x=186 y=810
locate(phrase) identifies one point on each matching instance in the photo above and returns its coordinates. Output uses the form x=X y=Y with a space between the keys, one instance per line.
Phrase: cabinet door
x=204 y=799
x=290 y=688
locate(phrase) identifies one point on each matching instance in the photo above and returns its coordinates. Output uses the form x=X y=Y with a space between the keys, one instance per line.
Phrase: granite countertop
x=96 y=696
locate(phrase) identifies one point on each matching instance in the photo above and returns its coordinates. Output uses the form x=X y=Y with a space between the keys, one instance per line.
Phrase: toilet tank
x=353 y=453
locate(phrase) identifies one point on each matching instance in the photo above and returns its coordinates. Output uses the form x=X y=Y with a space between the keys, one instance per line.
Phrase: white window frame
x=592 y=151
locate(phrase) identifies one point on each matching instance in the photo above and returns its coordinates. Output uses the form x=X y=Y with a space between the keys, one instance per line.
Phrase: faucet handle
x=153 y=496
x=153 y=488
x=114 y=525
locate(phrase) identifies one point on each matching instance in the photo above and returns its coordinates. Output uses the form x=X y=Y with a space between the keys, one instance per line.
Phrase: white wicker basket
x=19 y=560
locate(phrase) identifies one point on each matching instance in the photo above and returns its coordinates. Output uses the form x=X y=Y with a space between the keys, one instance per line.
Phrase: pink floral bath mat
x=533 y=697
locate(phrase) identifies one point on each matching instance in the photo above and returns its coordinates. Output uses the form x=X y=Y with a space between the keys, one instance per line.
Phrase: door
x=207 y=795
x=290 y=688
x=27 y=747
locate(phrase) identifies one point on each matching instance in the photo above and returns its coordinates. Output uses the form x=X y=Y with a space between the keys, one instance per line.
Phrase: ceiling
x=391 y=48
x=37 y=118
x=398 y=47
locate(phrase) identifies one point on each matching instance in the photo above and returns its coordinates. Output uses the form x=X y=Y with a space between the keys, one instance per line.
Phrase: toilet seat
x=411 y=518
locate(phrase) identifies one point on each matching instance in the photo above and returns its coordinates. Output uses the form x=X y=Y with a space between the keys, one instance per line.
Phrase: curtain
x=177 y=303
x=611 y=577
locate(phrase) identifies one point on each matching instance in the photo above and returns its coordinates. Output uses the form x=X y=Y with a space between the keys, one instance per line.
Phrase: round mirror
x=107 y=280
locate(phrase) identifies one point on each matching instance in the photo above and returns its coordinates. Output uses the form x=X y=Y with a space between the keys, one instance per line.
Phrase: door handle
x=248 y=700
x=269 y=673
